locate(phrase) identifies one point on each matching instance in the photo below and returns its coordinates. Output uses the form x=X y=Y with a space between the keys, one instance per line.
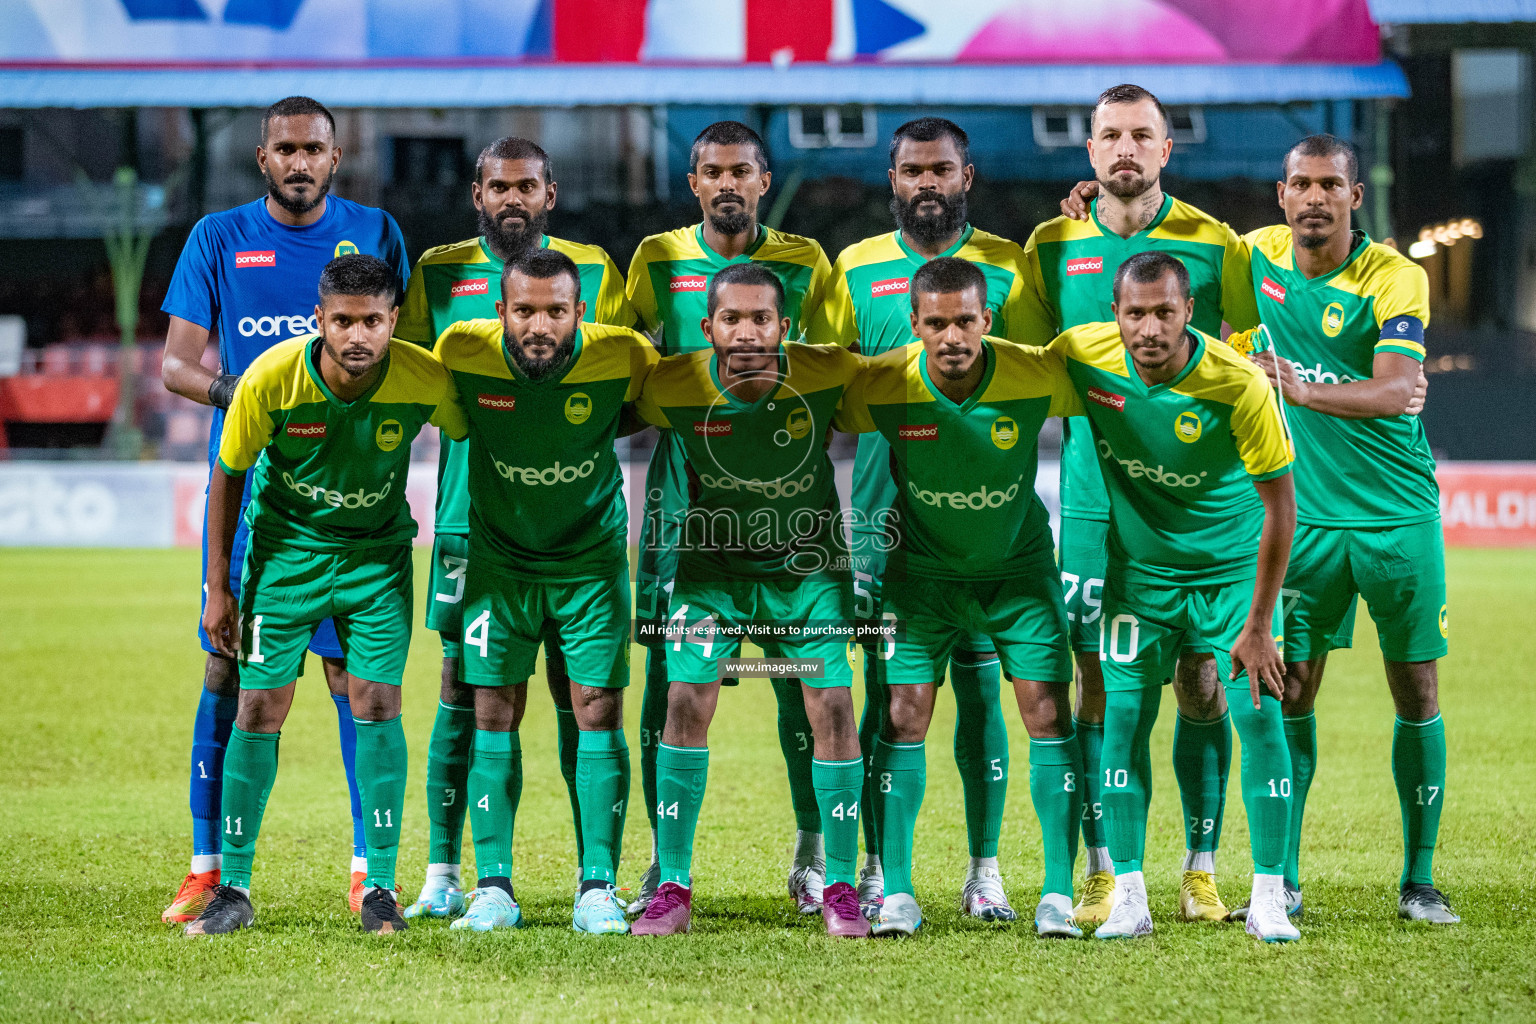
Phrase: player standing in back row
x=668 y=282
x=868 y=309
x=513 y=194
x=250 y=272
x=1348 y=318
x=1071 y=267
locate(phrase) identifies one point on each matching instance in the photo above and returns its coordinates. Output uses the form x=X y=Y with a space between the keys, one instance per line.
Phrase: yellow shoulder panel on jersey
x=993 y=250
x=415 y=376
x=817 y=368
x=1191 y=224
x=875 y=249
x=279 y=377
x=467 y=251
x=787 y=248
x=1222 y=375
x=895 y=377
x=683 y=380
x=610 y=353
x=580 y=253
x=1398 y=286
x=677 y=244
x=1273 y=242
x=1063 y=229
x=473 y=346
x=1028 y=371
x=1097 y=345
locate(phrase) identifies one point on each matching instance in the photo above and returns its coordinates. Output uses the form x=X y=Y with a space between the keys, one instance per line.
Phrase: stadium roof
x=461 y=84
x=1452 y=11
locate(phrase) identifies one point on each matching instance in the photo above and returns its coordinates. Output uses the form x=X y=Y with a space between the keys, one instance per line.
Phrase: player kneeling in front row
x=545 y=394
x=761 y=544
x=327 y=422
x=1197 y=459
x=972 y=557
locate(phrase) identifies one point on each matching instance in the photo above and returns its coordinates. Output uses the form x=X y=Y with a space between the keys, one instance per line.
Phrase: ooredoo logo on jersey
x=894 y=286
x=688 y=283
x=255 y=258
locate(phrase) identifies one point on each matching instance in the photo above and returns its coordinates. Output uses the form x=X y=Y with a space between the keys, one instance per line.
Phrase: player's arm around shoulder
x=439 y=392
x=833 y=322
x=852 y=415
x=1259 y=429
x=643 y=358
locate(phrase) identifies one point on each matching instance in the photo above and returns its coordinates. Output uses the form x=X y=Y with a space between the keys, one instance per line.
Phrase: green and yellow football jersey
x=1070 y=268
x=869 y=301
x=1376 y=472
x=965 y=505
x=462 y=282
x=762 y=500
x=1179 y=458
x=546 y=491
x=669 y=281
x=329 y=475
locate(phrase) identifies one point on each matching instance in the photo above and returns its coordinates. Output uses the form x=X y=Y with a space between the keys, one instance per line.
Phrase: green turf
x=99 y=672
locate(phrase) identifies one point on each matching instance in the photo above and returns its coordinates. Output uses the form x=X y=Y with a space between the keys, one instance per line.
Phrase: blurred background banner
x=718 y=31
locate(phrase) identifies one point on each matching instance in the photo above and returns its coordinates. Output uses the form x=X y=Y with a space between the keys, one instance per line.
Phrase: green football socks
x=871 y=722
x=602 y=781
x=250 y=768
x=798 y=745
x=1056 y=787
x=681 y=774
x=1301 y=741
x=900 y=774
x=1202 y=757
x=1090 y=741
x=838 y=785
x=495 y=787
x=653 y=719
x=1266 y=775
x=1418 y=768
x=381 y=771
x=981 y=750
x=1126 y=773
x=453 y=737
x=569 y=746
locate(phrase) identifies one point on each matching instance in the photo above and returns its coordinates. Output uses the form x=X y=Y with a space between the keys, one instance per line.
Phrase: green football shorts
x=1023 y=616
x=505 y=617
x=285 y=593
x=1146 y=624
x=1399 y=570
x=810 y=618
x=1084 y=561
x=445 y=605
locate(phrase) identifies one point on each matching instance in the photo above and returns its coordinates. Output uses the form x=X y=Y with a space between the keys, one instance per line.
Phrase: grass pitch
x=99 y=671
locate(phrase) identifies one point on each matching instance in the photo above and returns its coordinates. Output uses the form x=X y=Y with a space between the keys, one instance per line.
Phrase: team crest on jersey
x=1085 y=265
x=1187 y=427
x=1333 y=319
x=1005 y=432
x=469 y=286
x=1273 y=290
x=578 y=408
x=345 y=248
x=799 y=423
x=389 y=435
x=1108 y=399
x=918 y=432
x=895 y=286
x=688 y=283
x=310 y=430
x=1445 y=621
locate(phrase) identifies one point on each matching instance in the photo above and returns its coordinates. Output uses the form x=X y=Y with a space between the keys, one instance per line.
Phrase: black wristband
x=222 y=390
